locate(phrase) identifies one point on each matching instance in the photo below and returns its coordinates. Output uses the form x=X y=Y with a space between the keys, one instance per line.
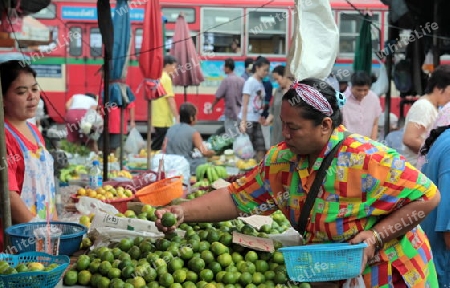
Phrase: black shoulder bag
x=303 y=219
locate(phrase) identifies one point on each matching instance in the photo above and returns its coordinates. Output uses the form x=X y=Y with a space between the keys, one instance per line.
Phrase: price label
x=256 y=243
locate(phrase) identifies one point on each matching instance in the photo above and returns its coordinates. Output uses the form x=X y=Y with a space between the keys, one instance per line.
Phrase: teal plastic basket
x=23 y=240
x=323 y=262
x=36 y=279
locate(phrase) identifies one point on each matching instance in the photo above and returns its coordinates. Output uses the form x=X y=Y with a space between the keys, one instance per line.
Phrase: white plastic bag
x=88 y=205
x=357 y=282
x=243 y=147
x=174 y=165
x=135 y=142
x=92 y=124
x=381 y=86
x=317 y=41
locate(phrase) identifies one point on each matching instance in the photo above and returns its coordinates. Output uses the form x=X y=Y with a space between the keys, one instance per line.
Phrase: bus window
x=95 y=39
x=173 y=13
x=75 y=42
x=222 y=30
x=349 y=26
x=137 y=41
x=48 y=12
x=169 y=36
x=267 y=30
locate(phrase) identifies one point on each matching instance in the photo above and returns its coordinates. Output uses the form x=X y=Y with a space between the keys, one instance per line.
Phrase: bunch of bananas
x=211 y=172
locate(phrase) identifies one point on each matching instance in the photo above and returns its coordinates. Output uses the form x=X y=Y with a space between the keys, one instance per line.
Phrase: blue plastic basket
x=323 y=262
x=37 y=279
x=23 y=240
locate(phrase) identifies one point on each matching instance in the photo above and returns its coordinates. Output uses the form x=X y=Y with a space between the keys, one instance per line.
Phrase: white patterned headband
x=313 y=98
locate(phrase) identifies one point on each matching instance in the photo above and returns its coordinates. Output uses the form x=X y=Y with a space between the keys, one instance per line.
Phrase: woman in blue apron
x=30 y=166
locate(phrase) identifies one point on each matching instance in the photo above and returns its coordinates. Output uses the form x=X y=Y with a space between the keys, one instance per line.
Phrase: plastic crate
x=323 y=262
x=36 y=279
x=70 y=240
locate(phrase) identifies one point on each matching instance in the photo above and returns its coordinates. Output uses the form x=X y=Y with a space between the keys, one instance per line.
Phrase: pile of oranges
x=107 y=192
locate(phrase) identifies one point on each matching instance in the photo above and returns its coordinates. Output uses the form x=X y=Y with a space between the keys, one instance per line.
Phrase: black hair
x=229 y=63
x=248 y=62
x=187 y=112
x=169 y=60
x=434 y=135
x=10 y=70
x=440 y=79
x=308 y=112
x=92 y=95
x=280 y=70
x=260 y=61
x=373 y=78
x=361 y=78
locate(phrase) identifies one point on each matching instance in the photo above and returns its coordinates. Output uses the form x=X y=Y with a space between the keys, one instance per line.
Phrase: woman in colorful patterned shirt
x=370 y=193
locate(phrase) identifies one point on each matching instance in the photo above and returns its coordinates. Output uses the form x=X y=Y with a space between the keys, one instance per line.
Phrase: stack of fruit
x=211 y=172
x=6 y=269
x=120 y=174
x=73 y=172
x=105 y=193
x=246 y=164
x=205 y=257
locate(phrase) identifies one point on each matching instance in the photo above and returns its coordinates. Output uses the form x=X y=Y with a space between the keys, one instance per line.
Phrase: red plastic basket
x=162 y=192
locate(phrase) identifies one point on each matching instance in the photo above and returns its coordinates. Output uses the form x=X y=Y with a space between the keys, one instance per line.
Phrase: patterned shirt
x=365 y=182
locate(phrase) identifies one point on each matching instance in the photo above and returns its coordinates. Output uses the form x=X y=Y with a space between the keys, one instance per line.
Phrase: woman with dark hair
x=30 y=166
x=359 y=190
x=182 y=139
x=423 y=113
x=436 y=166
x=253 y=96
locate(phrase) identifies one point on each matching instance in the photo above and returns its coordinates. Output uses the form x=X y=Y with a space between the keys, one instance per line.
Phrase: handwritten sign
x=256 y=243
x=257 y=221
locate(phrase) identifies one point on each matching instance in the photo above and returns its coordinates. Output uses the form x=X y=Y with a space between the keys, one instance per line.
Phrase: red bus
x=70 y=64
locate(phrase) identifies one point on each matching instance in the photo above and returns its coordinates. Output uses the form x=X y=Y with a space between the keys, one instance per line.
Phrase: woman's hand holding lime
x=169 y=218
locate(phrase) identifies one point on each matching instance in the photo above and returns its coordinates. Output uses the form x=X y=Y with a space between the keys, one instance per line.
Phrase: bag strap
x=314 y=191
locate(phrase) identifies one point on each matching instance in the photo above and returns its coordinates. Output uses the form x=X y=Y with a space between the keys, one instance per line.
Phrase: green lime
x=191 y=276
x=186 y=253
x=179 y=276
x=125 y=244
x=21 y=268
x=245 y=278
x=114 y=273
x=104 y=268
x=166 y=280
x=127 y=272
x=251 y=256
x=206 y=275
x=71 y=278
x=103 y=283
x=168 y=220
x=83 y=262
x=84 y=277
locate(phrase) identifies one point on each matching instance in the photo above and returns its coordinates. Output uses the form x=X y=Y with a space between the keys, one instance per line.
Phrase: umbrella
x=363 y=49
x=106 y=29
x=119 y=92
x=151 y=60
x=183 y=50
